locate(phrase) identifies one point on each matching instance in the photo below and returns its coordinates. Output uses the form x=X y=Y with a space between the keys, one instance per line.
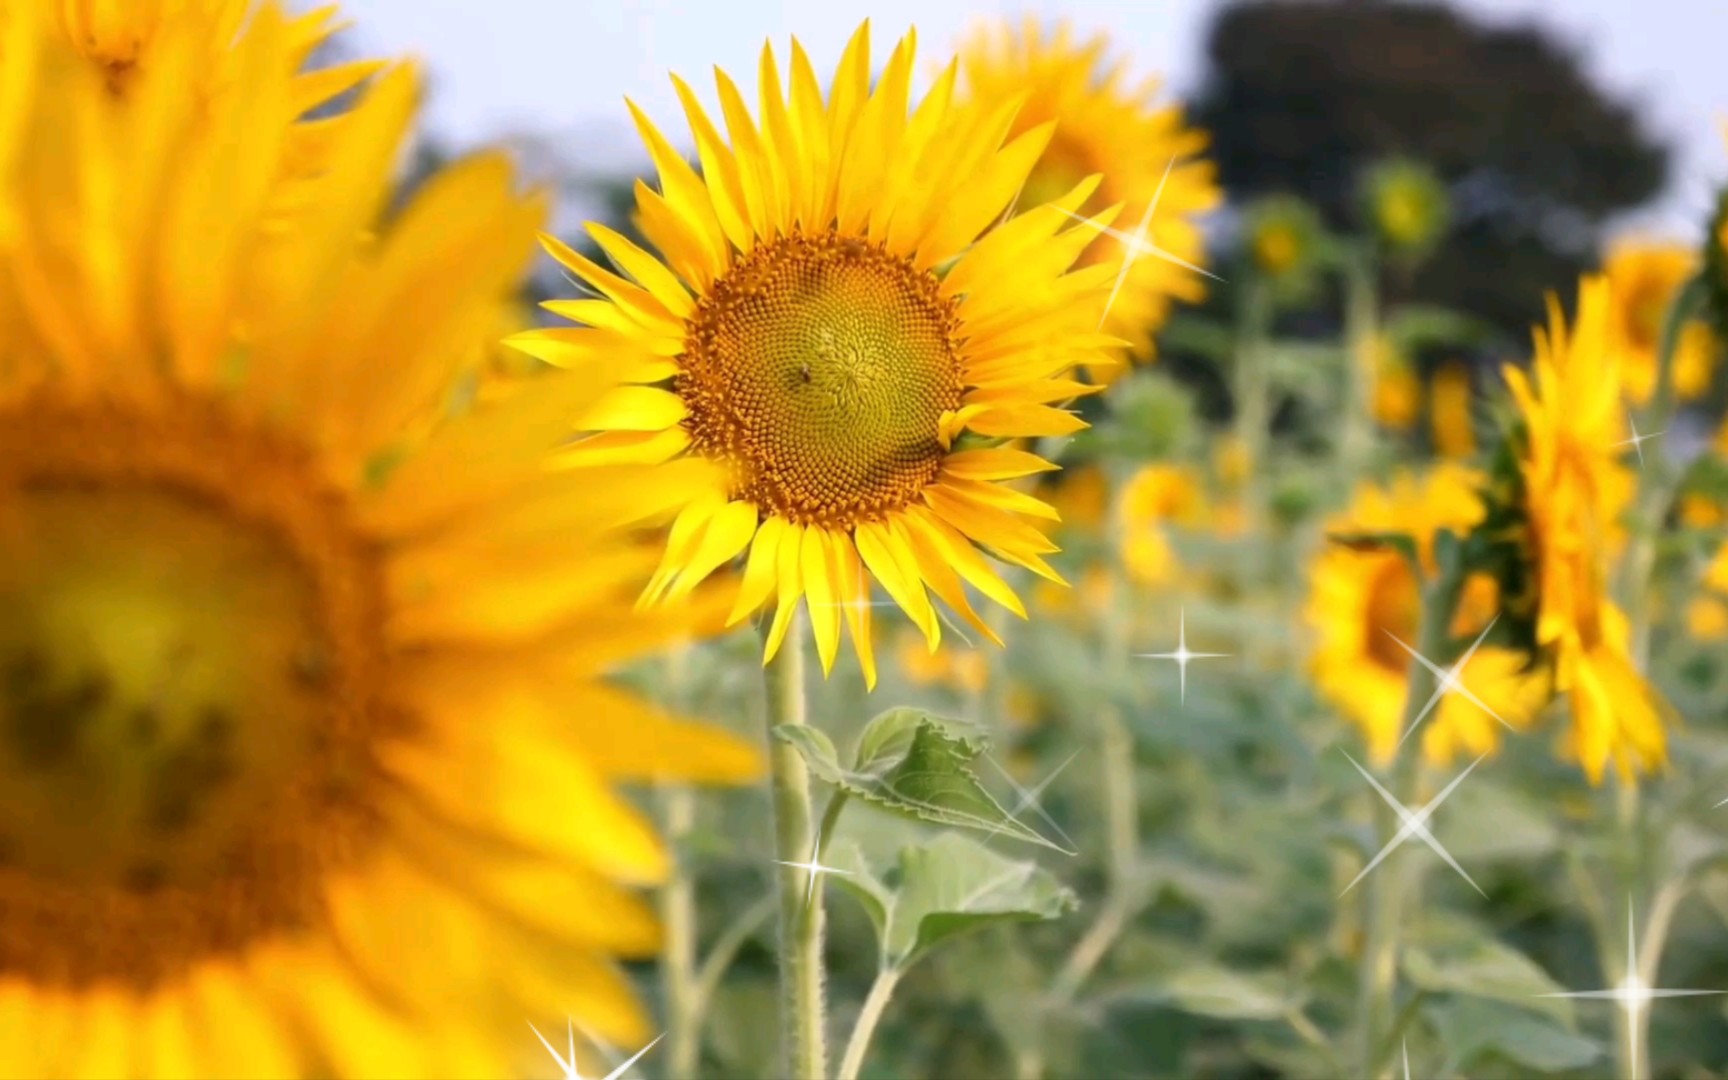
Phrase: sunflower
x=1397 y=389
x=1574 y=491
x=965 y=670
x=1643 y=279
x=122 y=37
x=1363 y=602
x=1154 y=498
x=837 y=307
x=1144 y=151
x=306 y=760
x=1408 y=206
x=1450 y=423
x=1707 y=613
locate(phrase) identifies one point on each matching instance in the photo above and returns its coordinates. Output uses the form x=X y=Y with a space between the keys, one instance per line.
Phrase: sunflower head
x=1283 y=237
x=1407 y=205
x=1644 y=281
x=1155 y=498
x=307 y=757
x=1572 y=488
x=1128 y=134
x=840 y=317
x=1365 y=604
x=1397 y=388
x=1451 y=415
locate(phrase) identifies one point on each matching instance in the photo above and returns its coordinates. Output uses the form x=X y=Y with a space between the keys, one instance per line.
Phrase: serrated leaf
x=917 y=765
x=939 y=890
x=887 y=739
x=1485 y=968
x=1470 y=1027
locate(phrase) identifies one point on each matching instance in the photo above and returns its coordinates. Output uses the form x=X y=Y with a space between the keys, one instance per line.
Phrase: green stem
x=678 y=956
x=1361 y=330
x=802 y=1015
x=1389 y=885
x=1123 y=893
x=725 y=950
x=880 y=992
x=1658 y=478
x=1251 y=389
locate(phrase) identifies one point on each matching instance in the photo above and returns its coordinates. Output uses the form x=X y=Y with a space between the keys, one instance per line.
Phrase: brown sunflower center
x=1394 y=605
x=190 y=642
x=821 y=367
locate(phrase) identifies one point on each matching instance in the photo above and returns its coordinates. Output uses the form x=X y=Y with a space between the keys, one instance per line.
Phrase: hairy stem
x=802 y=1013
x=678 y=955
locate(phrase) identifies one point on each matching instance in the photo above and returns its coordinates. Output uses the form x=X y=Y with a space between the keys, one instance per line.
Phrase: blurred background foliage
x=1209 y=938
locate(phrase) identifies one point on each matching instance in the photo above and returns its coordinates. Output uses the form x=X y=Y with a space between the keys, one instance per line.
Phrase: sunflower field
x=970 y=566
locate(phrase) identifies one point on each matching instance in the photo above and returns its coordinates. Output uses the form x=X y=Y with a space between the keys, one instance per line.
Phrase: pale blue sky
x=563 y=67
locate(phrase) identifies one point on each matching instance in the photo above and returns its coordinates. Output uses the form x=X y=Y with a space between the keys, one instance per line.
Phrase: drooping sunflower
x=1574 y=489
x=1644 y=278
x=835 y=307
x=1141 y=146
x=306 y=760
x=1363 y=602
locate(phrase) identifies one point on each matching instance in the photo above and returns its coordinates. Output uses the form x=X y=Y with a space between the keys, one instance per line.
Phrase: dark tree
x=1303 y=95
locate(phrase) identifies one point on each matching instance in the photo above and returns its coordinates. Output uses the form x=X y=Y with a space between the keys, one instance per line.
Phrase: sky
x=563 y=67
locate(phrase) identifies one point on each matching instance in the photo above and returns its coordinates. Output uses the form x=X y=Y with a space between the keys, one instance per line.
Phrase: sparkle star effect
x=1137 y=243
x=814 y=868
x=568 y=1065
x=1414 y=824
x=1028 y=799
x=1448 y=680
x=1636 y=442
x=1182 y=655
x=1632 y=995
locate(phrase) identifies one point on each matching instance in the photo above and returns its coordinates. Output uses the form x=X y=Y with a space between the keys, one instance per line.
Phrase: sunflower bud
x=1407 y=207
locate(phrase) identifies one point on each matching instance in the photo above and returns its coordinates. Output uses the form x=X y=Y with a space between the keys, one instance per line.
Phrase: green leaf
x=887 y=739
x=950 y=886
x=816 y=749
x=920 y=766
x=1481 y=967
x=1471 y=1027
x=1206 y=989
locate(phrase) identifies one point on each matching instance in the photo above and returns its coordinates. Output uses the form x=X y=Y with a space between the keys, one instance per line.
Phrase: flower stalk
x=802 y=983
x=1390 y=885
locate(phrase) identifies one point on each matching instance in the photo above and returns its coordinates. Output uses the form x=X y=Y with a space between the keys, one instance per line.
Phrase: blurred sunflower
x=1154 y=498
x=965 y=670
x=1707 y=614
x=1408 y=207
x=1644 y=279
x=1574 y=489
x=1144 y=151
x=1451 y=423
x=1397 y=389
x=306 y=764
x=836 y=307
x=123 y=37
x=1283 y=236
x=1363 y=601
